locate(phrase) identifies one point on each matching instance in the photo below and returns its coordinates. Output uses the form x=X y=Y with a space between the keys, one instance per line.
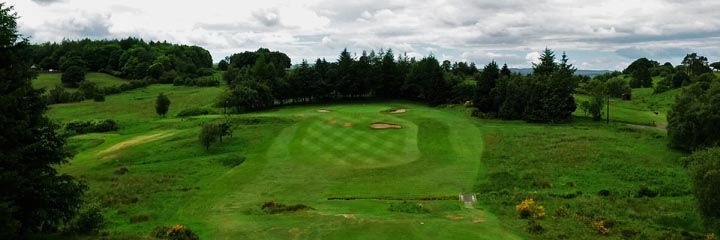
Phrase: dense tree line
x=261 y=79
x=692 y=68
x=546 y=95
x=130 y=58
x=34 y=197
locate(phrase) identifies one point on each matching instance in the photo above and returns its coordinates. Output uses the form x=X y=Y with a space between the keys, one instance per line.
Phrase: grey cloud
x=47 y=2
x=268 y=17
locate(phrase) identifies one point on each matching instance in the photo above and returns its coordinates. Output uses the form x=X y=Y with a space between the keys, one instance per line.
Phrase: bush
x=272 y=207
x=89 y=220
x=193 y=112
x=604 y=193
x=72 y=76
x=175 y=232
x=601 y=228
x=408 y=207
x=232 y=161
x=82 y=127
x=646 y=192
x=99 y=97
x=534 y=227
x=704 y=169
x=528 y=209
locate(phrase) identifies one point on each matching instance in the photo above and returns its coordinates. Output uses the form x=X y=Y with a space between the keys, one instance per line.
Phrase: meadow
x=364 y=183
x=48 y=81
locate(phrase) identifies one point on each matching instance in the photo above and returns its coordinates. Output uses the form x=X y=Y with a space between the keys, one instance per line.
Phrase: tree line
x=263 y=78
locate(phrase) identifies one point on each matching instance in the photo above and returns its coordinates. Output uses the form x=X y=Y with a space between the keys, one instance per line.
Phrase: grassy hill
x=50 y=80
x=299 y=155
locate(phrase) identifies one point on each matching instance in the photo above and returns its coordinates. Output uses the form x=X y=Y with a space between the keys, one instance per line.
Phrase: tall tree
x=505 y=71
x=162 y=104
x=483 y=99
x=696 y=65
x=33 y=196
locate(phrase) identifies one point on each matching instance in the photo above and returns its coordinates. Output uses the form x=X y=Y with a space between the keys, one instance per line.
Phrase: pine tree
x=483 y=99
x=33 y=196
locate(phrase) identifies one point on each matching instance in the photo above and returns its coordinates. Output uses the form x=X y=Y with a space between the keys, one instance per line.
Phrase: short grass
x=297 y=155
x=50 y=80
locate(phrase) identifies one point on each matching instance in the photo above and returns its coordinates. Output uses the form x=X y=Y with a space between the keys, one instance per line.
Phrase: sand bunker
x=332 y=122
x=401 y=110
x=137 y=140
x=455 y=217
x=478 y=220
x=347 y=124
x=349 y=216
x=324 y=111
x=380 y=125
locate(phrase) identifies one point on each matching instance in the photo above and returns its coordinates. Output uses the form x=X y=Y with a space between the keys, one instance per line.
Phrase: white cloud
x=532 y=58
x=451 y=29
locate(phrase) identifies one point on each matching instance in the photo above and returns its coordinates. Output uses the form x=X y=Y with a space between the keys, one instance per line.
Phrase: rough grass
x=296 y=155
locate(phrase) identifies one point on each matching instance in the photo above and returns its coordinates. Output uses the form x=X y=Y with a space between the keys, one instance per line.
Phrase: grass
x=298 y=156
x=50 y=80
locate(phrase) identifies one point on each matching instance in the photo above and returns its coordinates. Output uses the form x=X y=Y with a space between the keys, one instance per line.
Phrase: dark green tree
x=72 y=76
x=692 y=120
x=162 y=104
x=696 y=65
x=209 y=133
x=33 y=196
x=223 y=65
x=505 y=71
x=641 y=78
x=704 y=169
x=484 y=100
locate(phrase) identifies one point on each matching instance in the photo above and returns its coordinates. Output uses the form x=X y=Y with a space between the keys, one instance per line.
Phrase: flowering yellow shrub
x=711 y=236
x=600 y=227
x=527 y=208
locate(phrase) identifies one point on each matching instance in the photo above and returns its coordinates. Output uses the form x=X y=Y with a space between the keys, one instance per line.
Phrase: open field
x=50 y=80
x=300 y=155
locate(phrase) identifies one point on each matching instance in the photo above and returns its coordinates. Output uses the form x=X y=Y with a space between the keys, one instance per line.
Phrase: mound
x=380 y=125
x=401 y=110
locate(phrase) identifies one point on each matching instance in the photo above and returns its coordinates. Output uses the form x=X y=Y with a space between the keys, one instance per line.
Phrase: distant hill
x=590 y=73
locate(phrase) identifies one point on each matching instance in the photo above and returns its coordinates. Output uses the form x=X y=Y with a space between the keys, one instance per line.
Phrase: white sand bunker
x=380 y=125
x=323 y=111
x=401 y=110
x=137 y=140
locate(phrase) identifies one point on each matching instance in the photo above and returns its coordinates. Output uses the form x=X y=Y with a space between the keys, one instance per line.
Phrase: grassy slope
x=294 y=155
x=641 y=109
x=50 y=80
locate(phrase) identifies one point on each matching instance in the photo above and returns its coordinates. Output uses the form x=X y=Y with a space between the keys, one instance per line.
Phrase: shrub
x=561 y=212
x=604 y=193
x=704 y=169
x=534 y=227
x=408 y=207
x=193 y=112
x=272 y=207
x=99 y=97
x=175 y=232
x=528 y=209
x=89 y=220
x=600 y=227
x=646 y=192
x=82 y=127
x=232 y=161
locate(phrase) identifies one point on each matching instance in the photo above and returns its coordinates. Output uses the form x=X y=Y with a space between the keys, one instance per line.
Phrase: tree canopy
x=33 y=196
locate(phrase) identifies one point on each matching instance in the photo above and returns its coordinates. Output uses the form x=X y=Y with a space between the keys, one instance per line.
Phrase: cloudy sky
x=596 y=34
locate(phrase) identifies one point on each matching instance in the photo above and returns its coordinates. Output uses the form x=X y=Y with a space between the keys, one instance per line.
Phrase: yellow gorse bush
x=527 y=208
x=600 y=227
x=175 y=229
